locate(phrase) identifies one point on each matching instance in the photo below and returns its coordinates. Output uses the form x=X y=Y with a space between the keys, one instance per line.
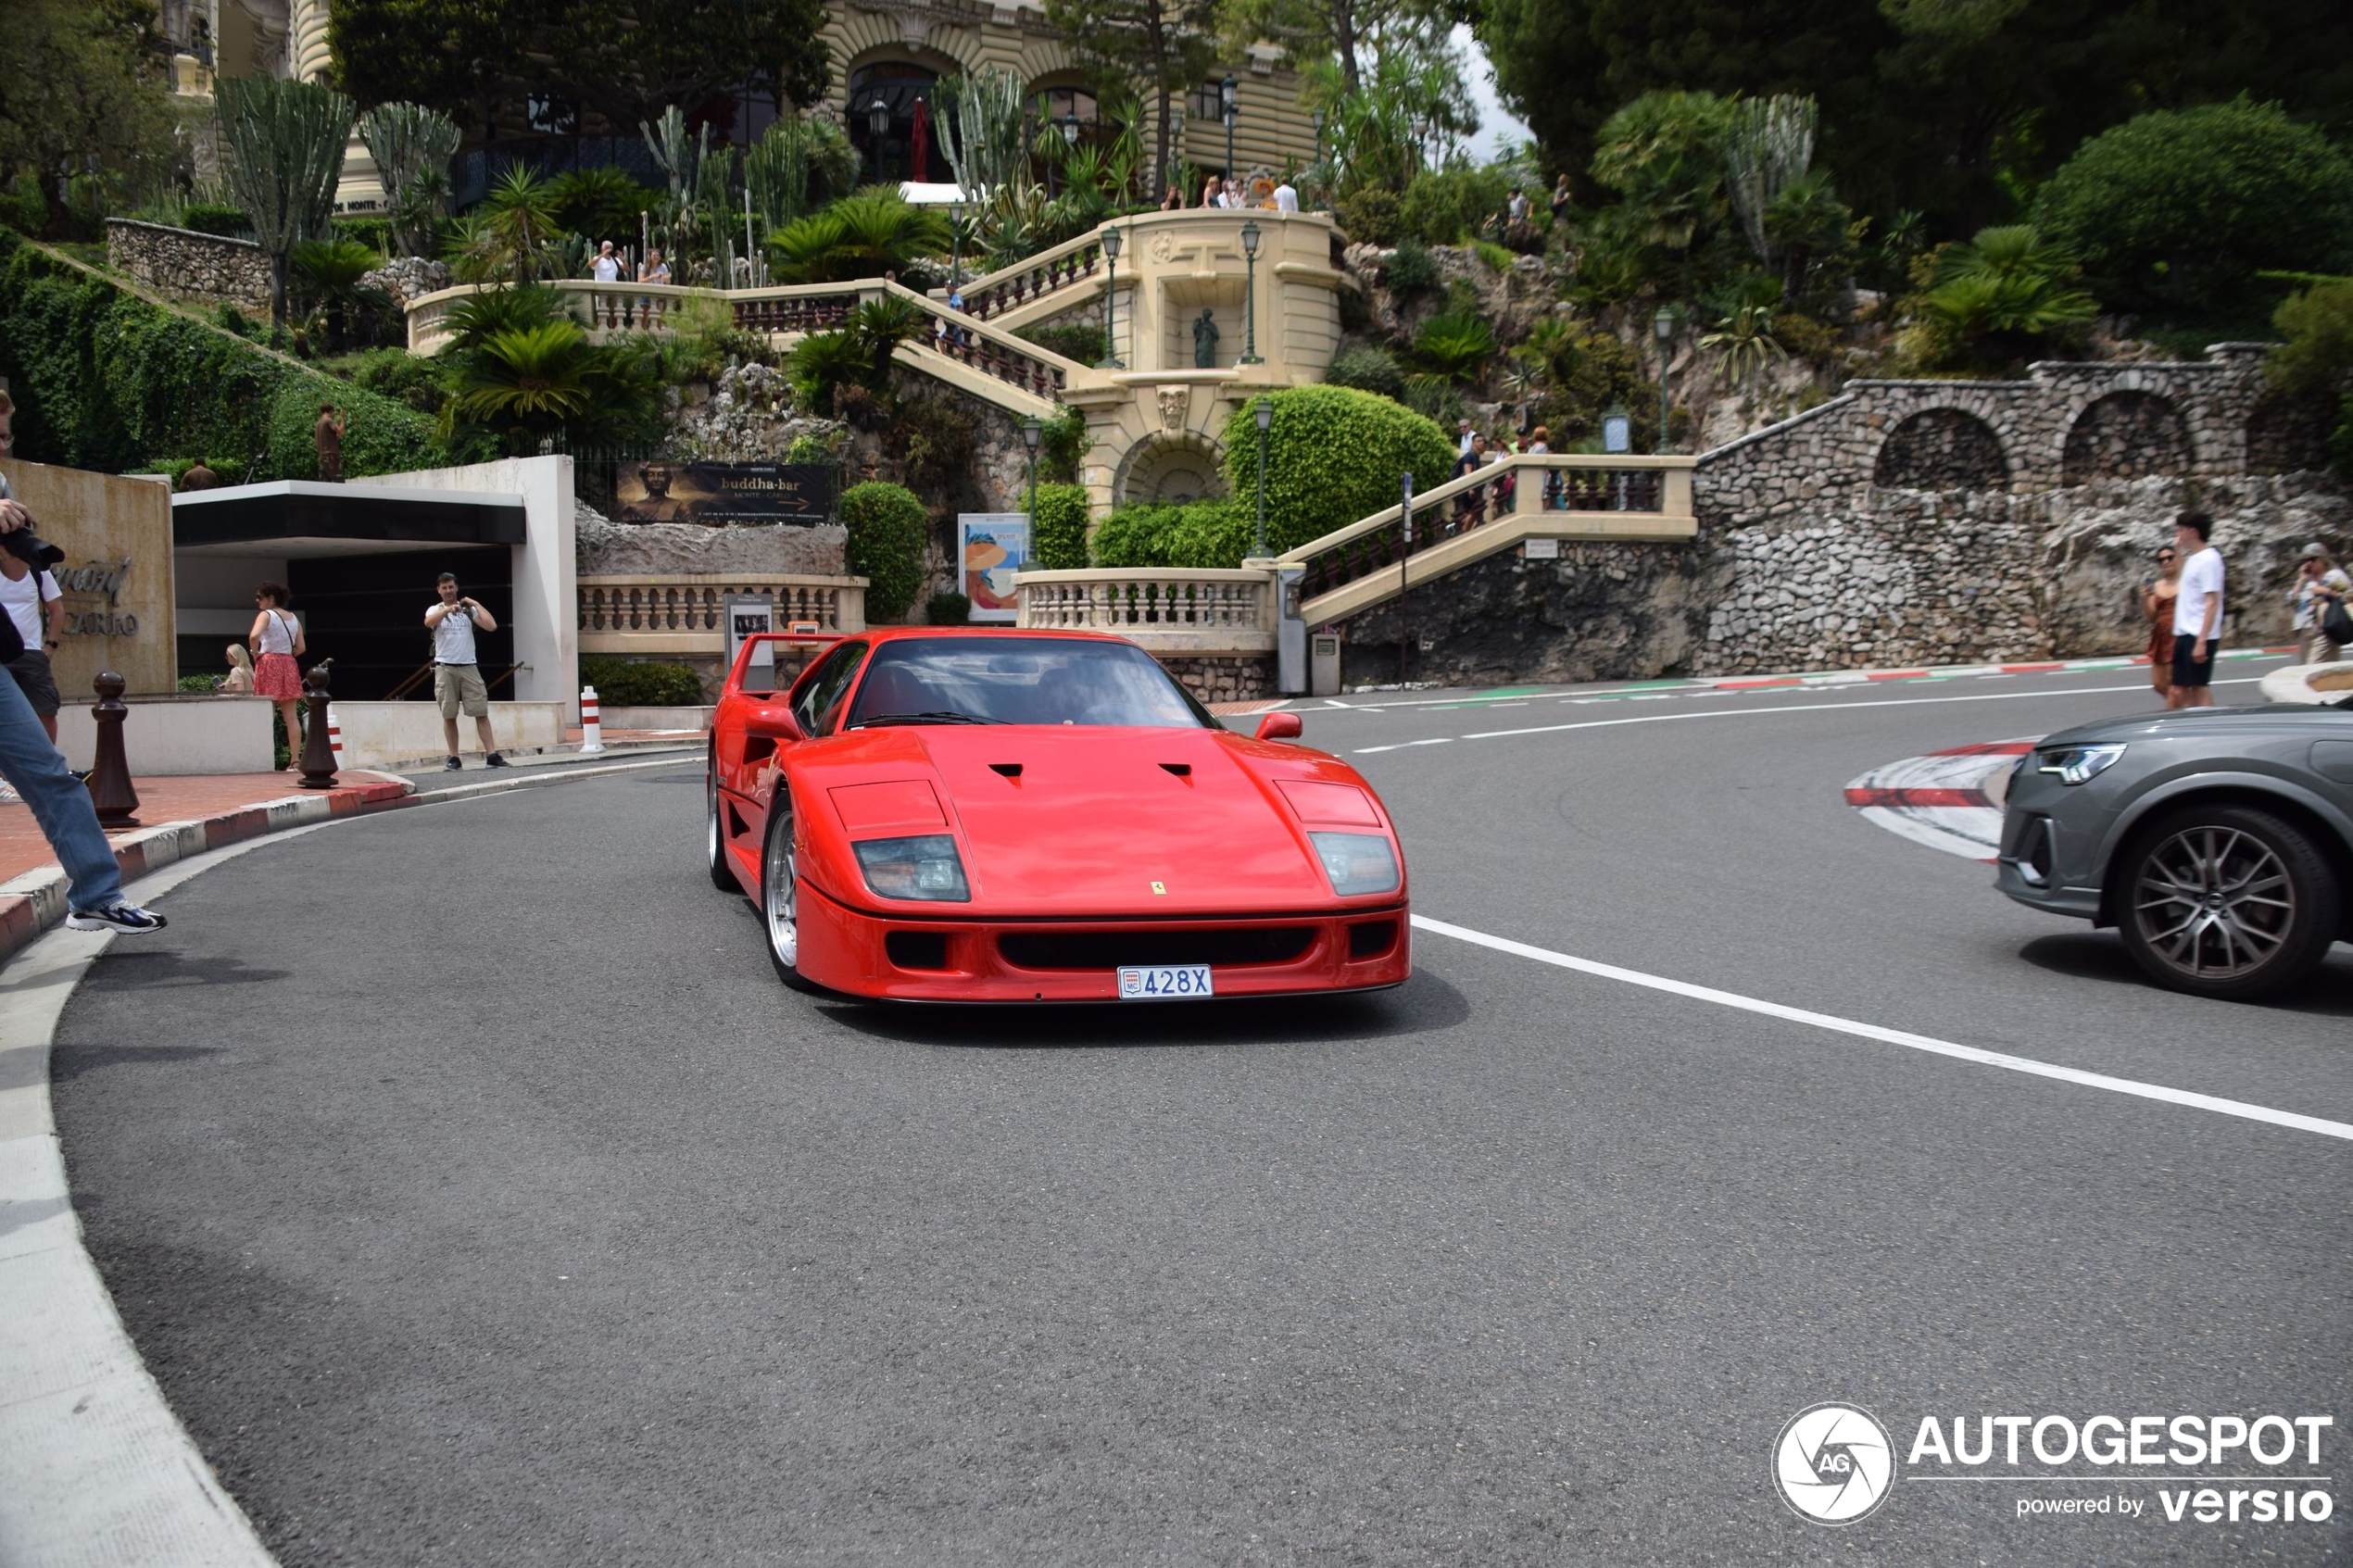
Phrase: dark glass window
x=1015 y=679
x=820 y=699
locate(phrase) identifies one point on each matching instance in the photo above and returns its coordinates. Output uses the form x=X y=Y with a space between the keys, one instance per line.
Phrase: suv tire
x=2225 y=901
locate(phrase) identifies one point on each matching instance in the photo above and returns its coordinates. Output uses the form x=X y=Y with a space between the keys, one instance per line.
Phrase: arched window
x=2125 y=435
x=901 y=87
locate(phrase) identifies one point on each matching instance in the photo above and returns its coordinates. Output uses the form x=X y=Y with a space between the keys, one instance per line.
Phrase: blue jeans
x=60 y=803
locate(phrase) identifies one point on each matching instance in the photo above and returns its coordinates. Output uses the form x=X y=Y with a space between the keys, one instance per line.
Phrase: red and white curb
x=1946 y=799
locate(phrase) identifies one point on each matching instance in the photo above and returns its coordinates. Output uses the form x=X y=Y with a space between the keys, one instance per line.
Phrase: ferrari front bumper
x=928 y=960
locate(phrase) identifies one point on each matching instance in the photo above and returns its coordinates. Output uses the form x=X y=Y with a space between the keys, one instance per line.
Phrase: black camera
x=31 y=548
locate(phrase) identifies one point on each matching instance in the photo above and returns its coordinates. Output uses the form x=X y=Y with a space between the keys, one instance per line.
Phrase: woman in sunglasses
x=2156 y=603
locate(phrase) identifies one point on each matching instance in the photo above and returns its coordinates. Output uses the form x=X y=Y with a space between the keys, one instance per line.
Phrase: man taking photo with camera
x=31 y=762
x=457 y=673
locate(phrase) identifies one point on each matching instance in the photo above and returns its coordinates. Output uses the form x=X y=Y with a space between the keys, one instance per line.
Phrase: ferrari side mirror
x=1279 y=726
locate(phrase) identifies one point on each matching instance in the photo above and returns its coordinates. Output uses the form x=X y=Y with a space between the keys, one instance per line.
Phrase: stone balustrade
x=1160 y=609
x=682 y=614
x=1026 y=282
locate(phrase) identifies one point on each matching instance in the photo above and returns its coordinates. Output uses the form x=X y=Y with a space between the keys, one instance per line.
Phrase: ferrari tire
x=2226 y=902
x=780 y=894
x=722 y=875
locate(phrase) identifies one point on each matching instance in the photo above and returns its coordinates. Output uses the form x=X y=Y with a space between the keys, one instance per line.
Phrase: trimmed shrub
x=947 y=609
x=1334 y=455
x=1062 y=446
x=1367 y=370
x=1081 y=341
x=404 y=377
x=2173 y=213
x=628 y=683
x=1369 y=217
x=380 y=436
x=1196 y=536
x=886 y=526
x=1445 y=207
x=1058 y=542
x=216 y=218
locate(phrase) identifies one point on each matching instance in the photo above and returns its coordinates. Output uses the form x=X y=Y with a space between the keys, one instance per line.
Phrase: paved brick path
x=179 y=800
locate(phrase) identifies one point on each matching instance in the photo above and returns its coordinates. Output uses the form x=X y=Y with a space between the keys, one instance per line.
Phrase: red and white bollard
x=592 y=732
x=335 y=735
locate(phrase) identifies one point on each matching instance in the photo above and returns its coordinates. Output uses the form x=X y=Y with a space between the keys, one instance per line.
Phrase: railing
x=1033 y=278
x=1523 y=485
x=1154 y=607
x=685 y=612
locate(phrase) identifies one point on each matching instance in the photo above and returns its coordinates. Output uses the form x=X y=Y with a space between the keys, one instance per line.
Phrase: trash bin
x=1323 y=674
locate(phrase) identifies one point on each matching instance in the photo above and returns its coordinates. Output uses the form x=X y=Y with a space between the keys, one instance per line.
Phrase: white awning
x=928 y=195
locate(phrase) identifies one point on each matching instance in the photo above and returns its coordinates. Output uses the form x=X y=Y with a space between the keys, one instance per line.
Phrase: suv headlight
x=2076 y=764
x=924 y=867
x=1356 y=862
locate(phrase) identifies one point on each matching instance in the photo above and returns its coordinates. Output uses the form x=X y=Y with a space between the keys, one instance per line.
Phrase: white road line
x=1895 y=1036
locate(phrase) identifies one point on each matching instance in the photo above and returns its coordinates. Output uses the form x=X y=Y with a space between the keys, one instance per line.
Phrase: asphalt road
x=478 y=1196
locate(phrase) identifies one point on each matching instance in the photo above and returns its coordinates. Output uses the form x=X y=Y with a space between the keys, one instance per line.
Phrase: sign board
x=747 y=615
x=116 y=575
x=1541 y=549
x=654 y=491
x=992 y=547
x=1618 y=433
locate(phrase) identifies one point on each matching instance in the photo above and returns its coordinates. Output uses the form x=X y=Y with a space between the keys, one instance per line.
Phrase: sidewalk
x=178 y=817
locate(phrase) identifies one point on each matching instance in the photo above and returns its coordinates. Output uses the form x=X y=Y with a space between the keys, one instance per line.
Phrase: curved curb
x=96 y=1470
x=1945 y=800
x=2312 y=685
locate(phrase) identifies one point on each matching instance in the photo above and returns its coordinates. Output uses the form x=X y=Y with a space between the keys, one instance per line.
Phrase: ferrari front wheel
x=780 y=892
x=722 y=875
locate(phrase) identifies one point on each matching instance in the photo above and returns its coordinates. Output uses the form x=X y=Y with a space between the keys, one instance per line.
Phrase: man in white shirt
x=37 y=606
x=1286 y=198
x=457 y=670
x=2198 y=612
x=608 y=266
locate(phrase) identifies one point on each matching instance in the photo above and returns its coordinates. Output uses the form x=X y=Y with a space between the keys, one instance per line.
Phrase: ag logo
x=1833 y=1463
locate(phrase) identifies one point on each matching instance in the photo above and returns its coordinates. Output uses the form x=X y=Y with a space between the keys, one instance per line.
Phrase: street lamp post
x=1229 y=108
x=1265 y=414
x=1323 y=180
x=1664 y=325
x=1249 y=295
x=955 y=247
x=1070 y=129
x=878 y=126
x=1110 y=361
x=1030 y=430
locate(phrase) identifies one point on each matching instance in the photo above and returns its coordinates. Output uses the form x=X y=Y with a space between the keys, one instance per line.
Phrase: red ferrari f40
x=927 y=814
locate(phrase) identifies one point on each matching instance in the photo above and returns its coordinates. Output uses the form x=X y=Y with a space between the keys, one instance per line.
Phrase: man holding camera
x=36 y=607
x=31 y=764
x=457 y=669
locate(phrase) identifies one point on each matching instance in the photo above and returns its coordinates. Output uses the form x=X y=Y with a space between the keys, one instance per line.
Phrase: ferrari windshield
x=1017 y=680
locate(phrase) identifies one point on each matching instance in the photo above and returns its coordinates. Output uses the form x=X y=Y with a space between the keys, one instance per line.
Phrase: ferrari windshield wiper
x=929 y=716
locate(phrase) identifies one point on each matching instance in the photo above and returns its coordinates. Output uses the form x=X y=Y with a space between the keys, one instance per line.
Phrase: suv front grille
x=1109 y=949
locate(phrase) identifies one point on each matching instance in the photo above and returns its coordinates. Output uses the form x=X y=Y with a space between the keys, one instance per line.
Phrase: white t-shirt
x=1286 y=198
x=2201 y=582
x=608 y=270
x=24 y=598
x=453 y=638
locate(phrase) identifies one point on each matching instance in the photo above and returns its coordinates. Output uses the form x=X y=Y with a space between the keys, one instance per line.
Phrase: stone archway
x=1941 y=449
x=2126 y=435
x=2288 y=431
x=1169 y=469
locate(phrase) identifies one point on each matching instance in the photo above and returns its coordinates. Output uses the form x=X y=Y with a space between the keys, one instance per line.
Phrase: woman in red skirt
x=276 y=638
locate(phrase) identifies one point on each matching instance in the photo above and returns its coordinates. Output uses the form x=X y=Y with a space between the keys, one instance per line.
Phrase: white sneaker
x=127 y=918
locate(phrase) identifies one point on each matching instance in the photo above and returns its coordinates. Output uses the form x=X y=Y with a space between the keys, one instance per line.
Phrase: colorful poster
x=992 y=546
x=657 y=490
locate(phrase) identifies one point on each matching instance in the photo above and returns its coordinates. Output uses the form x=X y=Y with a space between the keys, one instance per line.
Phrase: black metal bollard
x=109 y=780
x=318 y=749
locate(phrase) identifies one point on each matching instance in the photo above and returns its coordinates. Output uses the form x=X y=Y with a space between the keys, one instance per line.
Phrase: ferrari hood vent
x=1182 y=769
x=1010 y=770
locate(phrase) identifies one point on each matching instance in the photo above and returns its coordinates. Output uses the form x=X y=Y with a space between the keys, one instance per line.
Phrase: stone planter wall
x=191 y=264
x=1223 y=677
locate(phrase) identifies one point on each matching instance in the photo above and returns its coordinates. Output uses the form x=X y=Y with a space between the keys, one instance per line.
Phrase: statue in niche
x=1205 y=342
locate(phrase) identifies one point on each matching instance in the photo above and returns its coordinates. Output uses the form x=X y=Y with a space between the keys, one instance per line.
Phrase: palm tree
x=2005 y=289
x=1455 y=345
x=535 y=381
x=330 y=269
x=860 y=236
x=284 y=141
x=513 y=232
x=412 y=146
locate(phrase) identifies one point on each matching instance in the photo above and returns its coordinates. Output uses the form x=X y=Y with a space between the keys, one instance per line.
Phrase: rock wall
x=605 y=548
x=1224 y=677
x=190 y=265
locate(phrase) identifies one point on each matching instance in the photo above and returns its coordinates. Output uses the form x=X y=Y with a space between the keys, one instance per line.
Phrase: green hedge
x=1058 y=542
x=886 y=527
x=1367 y=370
x=1446 y=206
x=624 y=683
x=103 y=380
x=1333 y=456
x=1197 y=536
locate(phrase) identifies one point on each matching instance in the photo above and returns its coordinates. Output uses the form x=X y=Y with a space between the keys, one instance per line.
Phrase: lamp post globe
x=1249 y=295
x=878 y=126
x=1664 y=325
x=1111 y=243
x=1070 y=129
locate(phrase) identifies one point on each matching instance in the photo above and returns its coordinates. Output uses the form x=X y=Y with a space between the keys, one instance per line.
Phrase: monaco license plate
x=1163 y=982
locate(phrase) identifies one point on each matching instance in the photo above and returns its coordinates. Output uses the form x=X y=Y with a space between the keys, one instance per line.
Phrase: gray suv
x=2218 y=841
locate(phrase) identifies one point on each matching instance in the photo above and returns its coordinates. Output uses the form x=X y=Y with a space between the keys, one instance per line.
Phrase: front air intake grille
x=1109 y=949
x=916 y=949
x=1372 y=938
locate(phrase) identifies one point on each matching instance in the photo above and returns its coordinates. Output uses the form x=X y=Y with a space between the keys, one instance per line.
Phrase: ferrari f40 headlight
x=2077 y=764
x=924 y=867
x=1356 y=862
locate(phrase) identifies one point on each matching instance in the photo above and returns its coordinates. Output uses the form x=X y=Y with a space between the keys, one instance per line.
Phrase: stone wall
x=1224 y=677
x=191 y=264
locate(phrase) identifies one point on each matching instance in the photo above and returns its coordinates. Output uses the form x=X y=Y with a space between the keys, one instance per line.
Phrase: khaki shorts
x=457 y=686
